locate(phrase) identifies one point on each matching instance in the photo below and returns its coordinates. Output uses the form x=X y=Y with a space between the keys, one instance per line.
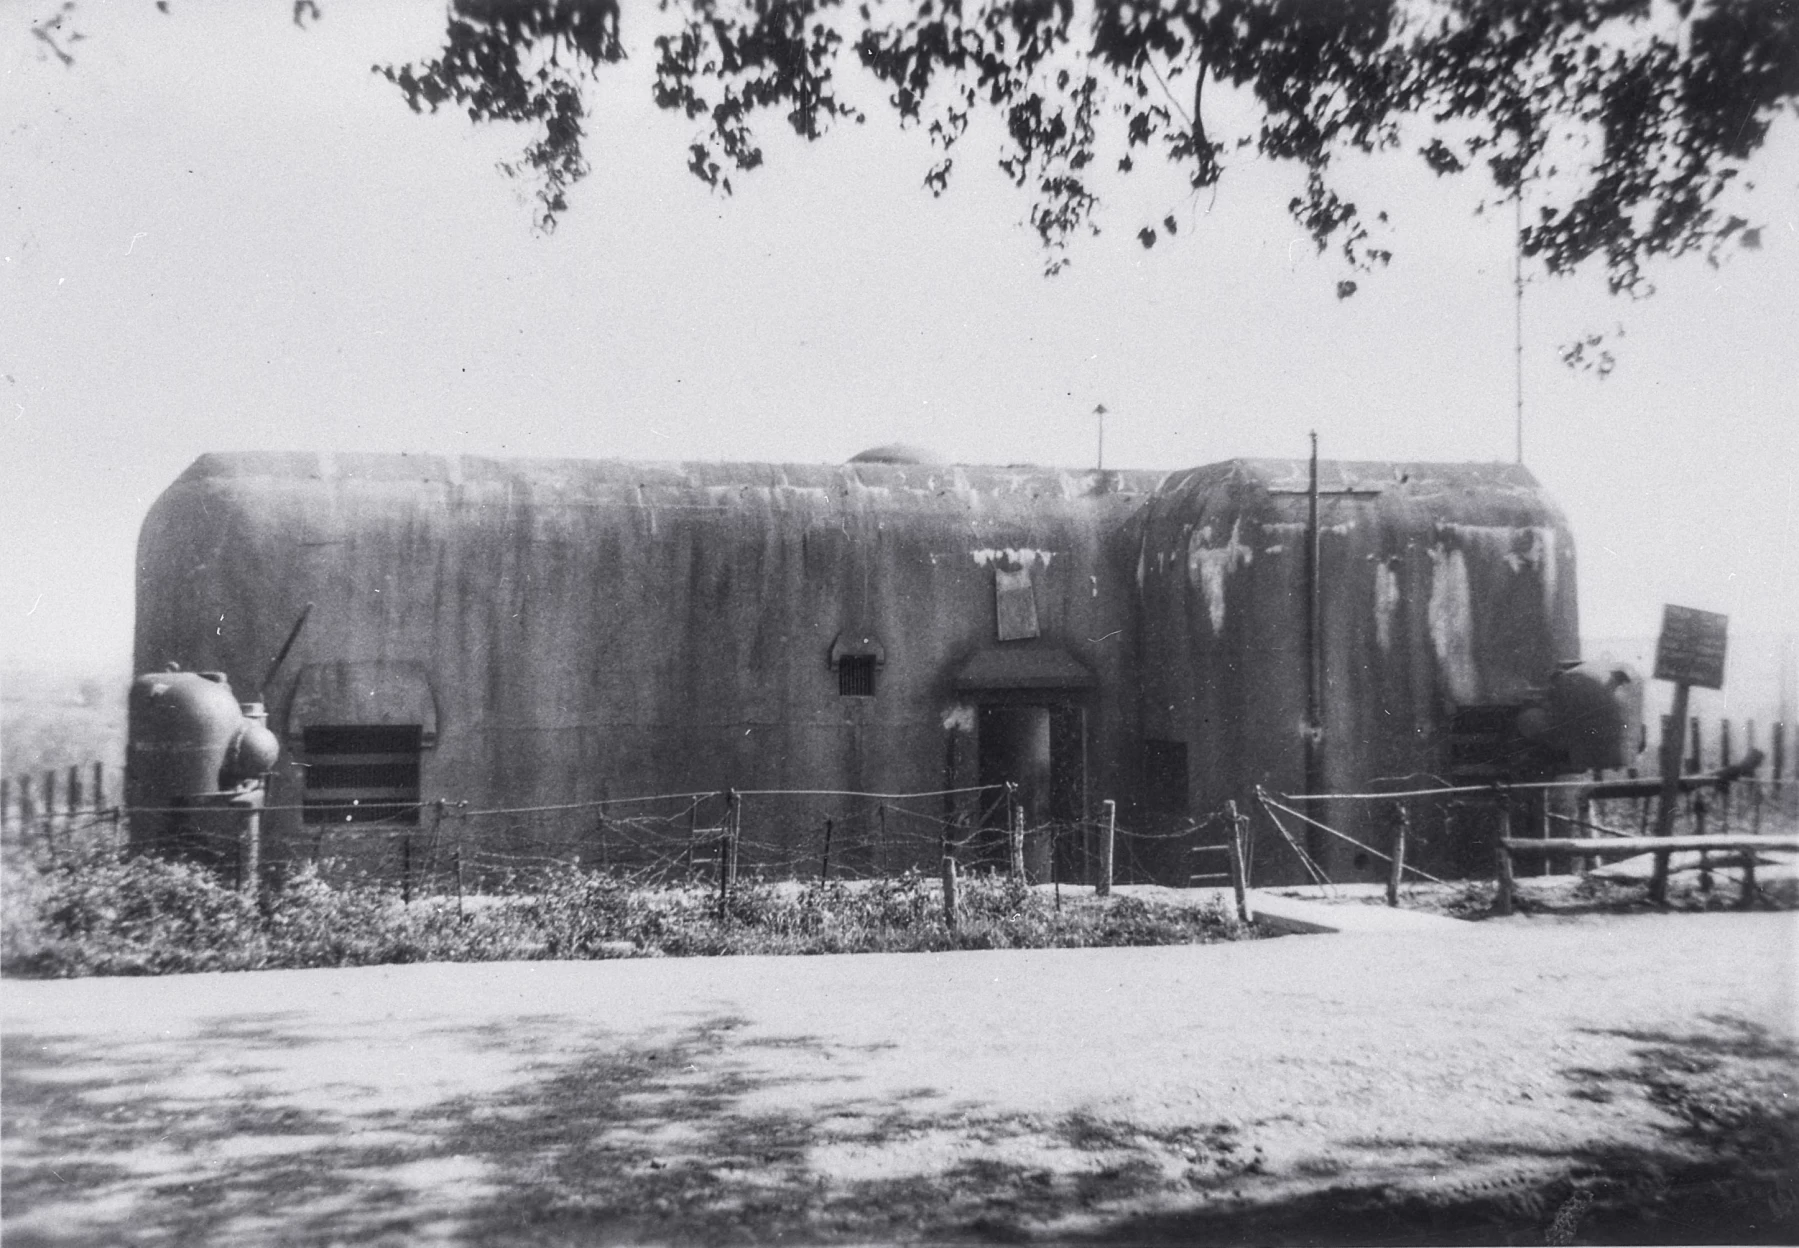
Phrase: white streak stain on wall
x=1543 y=554
x=1386 y=602
x=1539 y=555
x=1452 y=623
x=1019 y=557
x=1207 y=566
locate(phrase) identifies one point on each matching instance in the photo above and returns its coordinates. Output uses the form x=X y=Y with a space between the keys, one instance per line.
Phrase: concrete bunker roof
x=602 y=482
x=452 y=482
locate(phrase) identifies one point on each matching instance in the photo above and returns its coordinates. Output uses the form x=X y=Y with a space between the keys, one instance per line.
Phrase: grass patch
x=90 y=912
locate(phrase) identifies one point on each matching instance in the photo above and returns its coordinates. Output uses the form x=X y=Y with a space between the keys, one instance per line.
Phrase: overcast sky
x=225 y=233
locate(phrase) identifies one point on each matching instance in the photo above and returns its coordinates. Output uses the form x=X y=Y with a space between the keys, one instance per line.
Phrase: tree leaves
x=1621 y=122
x=521 y=62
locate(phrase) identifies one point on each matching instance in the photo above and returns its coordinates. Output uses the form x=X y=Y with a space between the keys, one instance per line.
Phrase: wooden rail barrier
x=1630 y=847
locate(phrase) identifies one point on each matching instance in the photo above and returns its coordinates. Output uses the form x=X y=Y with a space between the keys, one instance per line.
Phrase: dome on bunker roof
x=897 y=453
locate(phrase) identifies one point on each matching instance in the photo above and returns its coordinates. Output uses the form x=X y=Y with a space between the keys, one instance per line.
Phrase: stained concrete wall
x=1441 y=586
x=599 y=630
x=568 y=631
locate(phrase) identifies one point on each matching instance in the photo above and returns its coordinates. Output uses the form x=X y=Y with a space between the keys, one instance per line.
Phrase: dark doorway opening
x=1040 y=748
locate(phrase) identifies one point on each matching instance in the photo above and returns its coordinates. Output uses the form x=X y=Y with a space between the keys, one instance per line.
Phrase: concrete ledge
x=1299 y=916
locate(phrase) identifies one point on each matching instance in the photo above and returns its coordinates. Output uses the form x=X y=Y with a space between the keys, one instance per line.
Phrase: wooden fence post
x=1746 y=899
x=1755 y=790
x=73 y=795
x=1108 y=832
x=736 y=835
x=49 y=807
x=437 y=825
x=1397 y=866
x=99 y=784
x=27 y=808
x=824 y=862
x=1705 y=862
x=1725 y=759
x=726 y=868
x=1664 y=811
x=1239 y=869
x=1016 y=835
x=1502 y=902
x=5 y=803
x=249 y=849
x=949 y=881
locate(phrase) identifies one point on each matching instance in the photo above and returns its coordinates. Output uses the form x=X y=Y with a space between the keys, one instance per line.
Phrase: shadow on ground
x=656 y=1144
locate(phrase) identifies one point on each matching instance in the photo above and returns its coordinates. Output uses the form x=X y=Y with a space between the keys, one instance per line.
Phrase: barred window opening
x=856 y=676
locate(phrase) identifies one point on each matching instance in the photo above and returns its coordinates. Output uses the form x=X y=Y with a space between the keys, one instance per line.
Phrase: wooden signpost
x=1689 y=651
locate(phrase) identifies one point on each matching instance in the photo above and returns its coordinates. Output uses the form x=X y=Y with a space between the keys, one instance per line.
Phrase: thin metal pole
x=1518 y=314
x=1314 y=680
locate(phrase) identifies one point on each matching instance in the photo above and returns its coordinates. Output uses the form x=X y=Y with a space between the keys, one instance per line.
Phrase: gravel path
x=1633 y=1075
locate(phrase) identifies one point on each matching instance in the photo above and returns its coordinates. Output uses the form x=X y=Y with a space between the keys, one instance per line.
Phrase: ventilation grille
x=362 y=773
x=856 y=676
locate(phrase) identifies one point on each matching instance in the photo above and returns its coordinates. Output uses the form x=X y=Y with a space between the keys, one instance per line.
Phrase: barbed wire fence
x=714 y=838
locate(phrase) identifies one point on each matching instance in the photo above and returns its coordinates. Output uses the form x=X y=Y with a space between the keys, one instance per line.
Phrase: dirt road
x=1634 y=1076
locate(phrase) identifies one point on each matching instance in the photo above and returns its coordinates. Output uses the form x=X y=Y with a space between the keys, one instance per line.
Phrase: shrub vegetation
x=89 y=912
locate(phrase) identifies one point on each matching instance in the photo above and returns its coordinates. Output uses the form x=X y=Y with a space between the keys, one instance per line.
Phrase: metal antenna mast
x=1518 y=315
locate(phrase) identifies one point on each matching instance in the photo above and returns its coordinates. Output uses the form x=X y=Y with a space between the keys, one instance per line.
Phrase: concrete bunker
x=505 y=635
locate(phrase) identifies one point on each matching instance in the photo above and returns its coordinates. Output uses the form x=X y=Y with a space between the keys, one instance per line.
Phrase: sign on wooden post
x=1690 y=649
